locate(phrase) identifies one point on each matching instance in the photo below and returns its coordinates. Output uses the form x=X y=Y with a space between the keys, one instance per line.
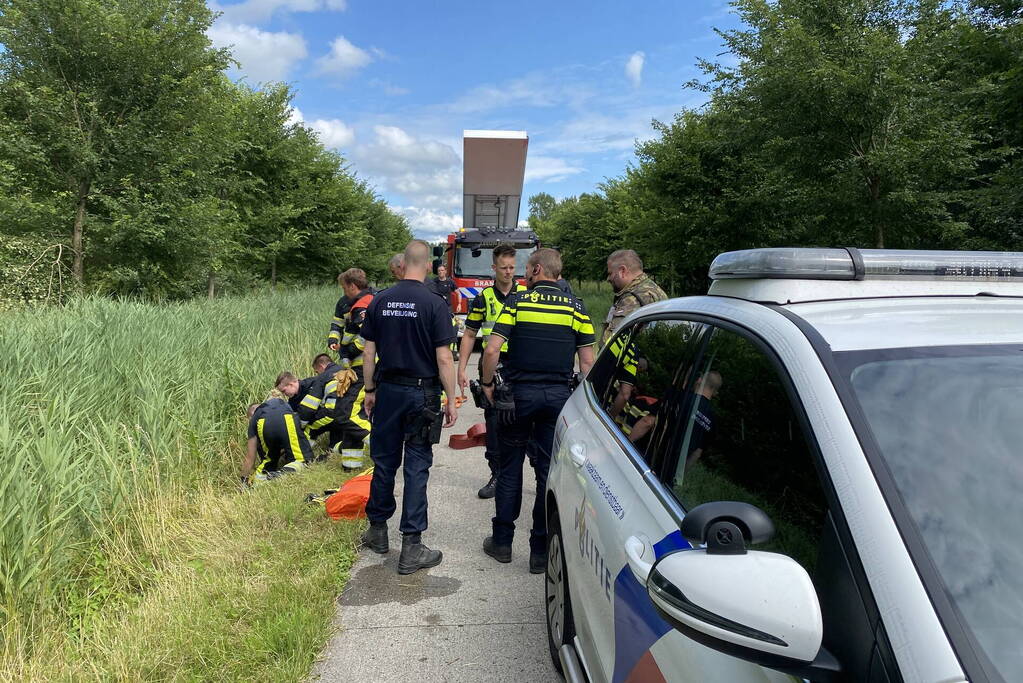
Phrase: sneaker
x=501 y=553
x=537 y=563
x=415 y=556
x=489 y=489
x=376 y=537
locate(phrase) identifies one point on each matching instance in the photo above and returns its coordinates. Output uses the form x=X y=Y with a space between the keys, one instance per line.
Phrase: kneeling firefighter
x=274 y=436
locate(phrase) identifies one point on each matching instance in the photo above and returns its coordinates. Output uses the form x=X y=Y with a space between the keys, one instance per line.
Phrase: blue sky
x=392 y=84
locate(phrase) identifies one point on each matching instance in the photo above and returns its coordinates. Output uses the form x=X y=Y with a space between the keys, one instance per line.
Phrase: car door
x=742 y=436
x=617 y=527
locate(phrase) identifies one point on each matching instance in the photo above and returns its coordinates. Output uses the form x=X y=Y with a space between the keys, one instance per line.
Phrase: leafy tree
x=95 y=89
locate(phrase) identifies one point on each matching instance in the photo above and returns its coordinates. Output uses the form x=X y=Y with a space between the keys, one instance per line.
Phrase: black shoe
x=489 y=489
x=537 y=563
x=501 y=553
x=376 y=537
x=415 y=556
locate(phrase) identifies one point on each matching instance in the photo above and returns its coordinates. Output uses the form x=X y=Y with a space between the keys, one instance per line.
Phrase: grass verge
x=201 y=584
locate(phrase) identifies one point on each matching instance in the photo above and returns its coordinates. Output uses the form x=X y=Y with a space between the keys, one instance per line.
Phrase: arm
x=585 y=359
x=446 y=370
x=491 y=355
x=369 y=365
x=250 y=459
x=464 y=351
x=624 y=394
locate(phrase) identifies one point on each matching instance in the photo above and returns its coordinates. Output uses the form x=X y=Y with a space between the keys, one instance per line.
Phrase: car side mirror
x=758 y=606
x=438 y=252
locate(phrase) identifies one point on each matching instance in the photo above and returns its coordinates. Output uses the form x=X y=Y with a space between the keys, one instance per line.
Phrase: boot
x=489 y=489
x=501 y=553
x=376 y=537
x=537 y=563
x=415 y=556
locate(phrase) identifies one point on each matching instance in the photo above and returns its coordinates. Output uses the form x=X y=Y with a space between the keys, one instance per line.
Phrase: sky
x=392 y=84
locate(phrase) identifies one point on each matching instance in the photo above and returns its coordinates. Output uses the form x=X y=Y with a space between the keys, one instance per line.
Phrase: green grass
x=126 y=551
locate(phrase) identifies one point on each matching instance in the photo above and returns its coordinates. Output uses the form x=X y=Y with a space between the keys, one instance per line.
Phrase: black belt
x=405 y=381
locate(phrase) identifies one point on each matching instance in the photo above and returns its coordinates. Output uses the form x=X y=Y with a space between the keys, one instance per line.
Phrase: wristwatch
x=369 y=390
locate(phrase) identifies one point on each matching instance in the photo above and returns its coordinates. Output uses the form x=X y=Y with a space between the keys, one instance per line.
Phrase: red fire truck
x=494 y=164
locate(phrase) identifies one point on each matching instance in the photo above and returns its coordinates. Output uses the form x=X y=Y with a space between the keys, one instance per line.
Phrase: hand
x=489 y=393
x=243 y=484
x=463 y=381
x=450 y=414
x=333 y=347
x=369 y=402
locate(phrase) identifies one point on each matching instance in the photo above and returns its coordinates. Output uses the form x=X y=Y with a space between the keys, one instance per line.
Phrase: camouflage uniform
x=640 y=292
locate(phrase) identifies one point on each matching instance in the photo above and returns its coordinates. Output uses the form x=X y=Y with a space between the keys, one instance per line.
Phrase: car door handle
x=577 y=454
x=639 y=552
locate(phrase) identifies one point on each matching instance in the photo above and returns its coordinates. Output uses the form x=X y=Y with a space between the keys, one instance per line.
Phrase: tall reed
x=103 y=400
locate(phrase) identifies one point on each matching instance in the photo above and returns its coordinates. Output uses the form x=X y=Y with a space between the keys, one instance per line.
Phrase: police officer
x=483 y=313
x=545 y=329
x=633 y=288
x=409 y=328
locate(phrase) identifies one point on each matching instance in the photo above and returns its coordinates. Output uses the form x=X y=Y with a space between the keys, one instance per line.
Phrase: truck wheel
x=558 y=602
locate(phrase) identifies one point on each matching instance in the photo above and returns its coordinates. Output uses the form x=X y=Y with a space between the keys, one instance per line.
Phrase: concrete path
x=467 y=619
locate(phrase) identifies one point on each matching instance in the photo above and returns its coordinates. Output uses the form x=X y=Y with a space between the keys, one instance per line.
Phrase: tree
x=95 y=90
x=541 y=208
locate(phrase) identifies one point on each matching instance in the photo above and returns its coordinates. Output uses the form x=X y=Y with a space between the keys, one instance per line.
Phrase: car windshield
x=467 y=265
x=949 y=425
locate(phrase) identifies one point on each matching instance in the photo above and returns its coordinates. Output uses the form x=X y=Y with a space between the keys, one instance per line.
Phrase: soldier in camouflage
x=633 y=288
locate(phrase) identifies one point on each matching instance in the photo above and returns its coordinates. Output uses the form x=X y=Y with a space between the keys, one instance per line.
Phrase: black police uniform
x=279 y=438
x=544 y=328
x=484 y=311
x=408 y=323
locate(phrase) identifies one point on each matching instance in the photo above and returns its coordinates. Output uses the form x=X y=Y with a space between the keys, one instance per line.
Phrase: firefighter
x=483 y=313
x=545 y=329
x=316 y=407
x=276 y=443
x=344 y=394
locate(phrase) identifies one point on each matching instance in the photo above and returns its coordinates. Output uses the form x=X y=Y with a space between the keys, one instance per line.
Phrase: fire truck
x=494 y=165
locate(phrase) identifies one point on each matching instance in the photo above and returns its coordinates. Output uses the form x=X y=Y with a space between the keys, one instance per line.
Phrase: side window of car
x=739 y=438
x=636 y=377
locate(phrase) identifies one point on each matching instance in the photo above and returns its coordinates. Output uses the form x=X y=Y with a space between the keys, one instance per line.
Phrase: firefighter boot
x=415 y=556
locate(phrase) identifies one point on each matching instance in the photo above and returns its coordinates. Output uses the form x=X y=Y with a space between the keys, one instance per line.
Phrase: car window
x=635 y=379
x=738 y=438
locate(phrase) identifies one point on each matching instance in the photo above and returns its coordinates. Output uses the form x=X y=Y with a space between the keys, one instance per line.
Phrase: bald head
x=417 y=260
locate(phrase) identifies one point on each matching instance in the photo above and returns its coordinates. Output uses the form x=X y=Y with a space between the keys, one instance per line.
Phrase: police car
x=814 y=472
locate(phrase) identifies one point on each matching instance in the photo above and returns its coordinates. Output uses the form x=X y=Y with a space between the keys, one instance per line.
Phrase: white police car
x=814 y=472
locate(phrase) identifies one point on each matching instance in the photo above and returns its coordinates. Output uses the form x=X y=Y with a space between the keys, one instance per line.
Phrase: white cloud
x=549 y=169
x=294 y=116
x=333 y=133
x=389 y=88
x=534 y=90
x=344 y=58
x=429 y=224
x=396 y=153
x=263 y=55
x=634 y=68
x=261 y=11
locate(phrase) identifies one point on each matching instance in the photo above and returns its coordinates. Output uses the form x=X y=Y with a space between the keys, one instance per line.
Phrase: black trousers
x=537 y=407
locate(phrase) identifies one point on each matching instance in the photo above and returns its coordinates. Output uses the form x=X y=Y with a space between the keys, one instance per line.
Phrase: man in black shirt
x=545 y=329
x=707 y=386
x=409 y=328
x=442 y=285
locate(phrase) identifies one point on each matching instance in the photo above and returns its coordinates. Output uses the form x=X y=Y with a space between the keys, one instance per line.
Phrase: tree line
x=130 y=164
x=866 y=123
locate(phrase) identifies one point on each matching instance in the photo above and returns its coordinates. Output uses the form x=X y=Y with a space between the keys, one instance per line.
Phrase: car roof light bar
x=872 y=264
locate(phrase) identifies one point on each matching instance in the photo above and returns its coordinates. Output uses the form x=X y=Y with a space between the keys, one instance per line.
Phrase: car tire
x=557 y=600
